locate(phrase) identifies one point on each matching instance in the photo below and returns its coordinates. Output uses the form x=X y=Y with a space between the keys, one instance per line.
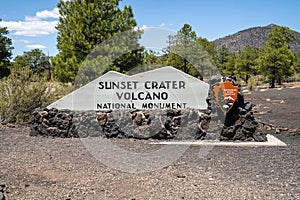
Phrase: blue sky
x=32 y=23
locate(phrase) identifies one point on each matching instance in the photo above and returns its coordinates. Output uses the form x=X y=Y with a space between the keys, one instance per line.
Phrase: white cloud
x=20 y=41
x=24 y=41
x=165 y=25
x=34 y=26
x=144 y=27
x=45 y=14
x=36 y=46
x=48 y=14
x=30 y=28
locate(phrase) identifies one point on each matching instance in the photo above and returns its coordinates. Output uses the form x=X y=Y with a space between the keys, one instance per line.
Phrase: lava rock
x=139 y=118
x=238 y=123
x=2 y=197
x=52 y=122
x=142 y=132
x=102 y=118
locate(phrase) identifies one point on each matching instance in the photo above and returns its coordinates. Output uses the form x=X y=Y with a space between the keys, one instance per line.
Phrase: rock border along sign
x=163 y=88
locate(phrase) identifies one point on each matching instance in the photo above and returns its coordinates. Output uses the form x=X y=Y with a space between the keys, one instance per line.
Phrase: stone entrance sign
x=163 y=88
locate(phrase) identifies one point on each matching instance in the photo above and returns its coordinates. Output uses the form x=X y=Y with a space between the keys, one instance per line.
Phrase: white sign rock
x=163 y=88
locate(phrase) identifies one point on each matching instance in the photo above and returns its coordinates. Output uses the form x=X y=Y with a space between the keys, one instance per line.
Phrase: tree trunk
x=202 y=71
x=49 y=74
x=247 y=78
x=272 y=83
x=273 y=78
x=279 y=81
x=185 y=65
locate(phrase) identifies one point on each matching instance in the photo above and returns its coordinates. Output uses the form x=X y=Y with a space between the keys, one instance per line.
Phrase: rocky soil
x=64 y=168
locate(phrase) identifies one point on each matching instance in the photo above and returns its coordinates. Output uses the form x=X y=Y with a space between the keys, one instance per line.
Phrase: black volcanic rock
x=238 y=123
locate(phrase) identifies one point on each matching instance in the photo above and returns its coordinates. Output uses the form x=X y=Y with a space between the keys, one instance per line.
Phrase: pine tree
x=222 y=58
x=208 y=67
x=83 y=25
x=276 y=58
x=186 y=53
x=296 y=64
x=221 y=101
x=180 y=48
x=35 y=60
x=246 y=62
x=5 y=52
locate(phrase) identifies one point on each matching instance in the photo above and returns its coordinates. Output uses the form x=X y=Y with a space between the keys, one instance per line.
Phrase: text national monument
x=163 y=103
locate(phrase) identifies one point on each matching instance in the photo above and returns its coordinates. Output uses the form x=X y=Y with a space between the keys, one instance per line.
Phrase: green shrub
x=22 y=92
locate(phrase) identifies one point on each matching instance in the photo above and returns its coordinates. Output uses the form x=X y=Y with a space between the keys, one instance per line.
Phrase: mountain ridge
x=253 y=36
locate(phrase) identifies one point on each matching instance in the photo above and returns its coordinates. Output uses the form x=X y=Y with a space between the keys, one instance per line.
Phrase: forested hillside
x=255 y=37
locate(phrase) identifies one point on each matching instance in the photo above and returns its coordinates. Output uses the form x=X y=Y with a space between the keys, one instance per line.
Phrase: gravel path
x=55 y=168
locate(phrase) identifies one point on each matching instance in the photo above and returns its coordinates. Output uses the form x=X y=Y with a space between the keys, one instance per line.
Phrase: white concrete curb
x=272 y=142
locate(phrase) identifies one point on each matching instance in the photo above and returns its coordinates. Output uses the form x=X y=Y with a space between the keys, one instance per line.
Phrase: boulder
x=102 y=118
